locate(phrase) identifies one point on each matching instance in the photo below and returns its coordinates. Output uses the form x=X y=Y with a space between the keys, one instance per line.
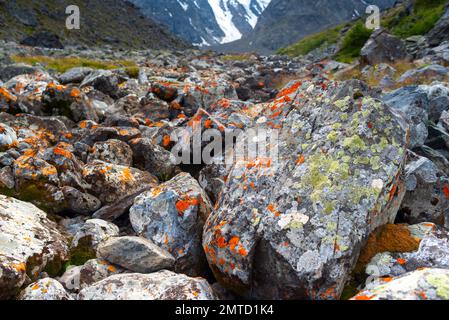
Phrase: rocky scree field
x=94 y=206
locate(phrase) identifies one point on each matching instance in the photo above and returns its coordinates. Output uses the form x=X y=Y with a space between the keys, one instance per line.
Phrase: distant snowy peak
x=237 y=17
x=205 y=22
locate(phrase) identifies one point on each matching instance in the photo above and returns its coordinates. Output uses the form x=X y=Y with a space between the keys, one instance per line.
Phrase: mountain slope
x=205 y=22
x=287 y=21
x=114 y=22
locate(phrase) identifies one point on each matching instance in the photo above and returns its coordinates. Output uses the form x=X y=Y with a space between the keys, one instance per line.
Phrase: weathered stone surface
x=427 y=284
x=153 y=158
x=79 y=277
x=426 y=199
x=412 y=102
x=110 y=182
x=172 y=215
x=432 y=253
x=10 y=71
x=87 y=237
x=8 y=137
x=112 y=151
x=383 y=47
x=102 y=80
x=292 y=227
x=29 y=244
x=162 y=285
x=135 y=254
x=45 y=289
x=74 y=75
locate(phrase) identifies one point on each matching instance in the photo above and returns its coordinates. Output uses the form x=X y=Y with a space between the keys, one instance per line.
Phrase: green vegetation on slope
x=423 y=18
x=312 y=42
x=62 y=64
x=353 y=42
x=397 y=20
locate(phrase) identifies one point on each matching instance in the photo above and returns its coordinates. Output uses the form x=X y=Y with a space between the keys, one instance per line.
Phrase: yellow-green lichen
x=441 y=283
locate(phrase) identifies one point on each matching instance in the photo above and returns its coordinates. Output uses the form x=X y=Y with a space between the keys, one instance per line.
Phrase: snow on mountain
x=206 y=22
x=231 y=15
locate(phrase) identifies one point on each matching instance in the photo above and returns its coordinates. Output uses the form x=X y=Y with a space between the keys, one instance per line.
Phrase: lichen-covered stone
x=162 y=285
x=110 y=182
x=79 y=277
x=292 y=227
x=45 y=289
x=425 y=284
x=432 y=253
x=172 y=215
x=29 y=244
x=112 y=151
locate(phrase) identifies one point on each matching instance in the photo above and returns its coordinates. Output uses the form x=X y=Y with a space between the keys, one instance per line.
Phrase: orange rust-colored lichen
x=127 y=175
x=185 y=203
x=233 y=242
x=301 y=159
x=394 y=238
x=19 y=267
x=35 y=287
x=289 y=90
x=221 y=242
x=75 y=93
x=166 y=141
x=364 y=297
x=401 y=261
x=62 y=152
x=446 y=190
x=243 y=252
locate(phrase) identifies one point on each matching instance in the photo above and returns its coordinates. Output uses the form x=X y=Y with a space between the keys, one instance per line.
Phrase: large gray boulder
x=383 y=47
x=172 y=215
x=30 y=244
x=292 y=227
x=162 y=285
x=135 y=254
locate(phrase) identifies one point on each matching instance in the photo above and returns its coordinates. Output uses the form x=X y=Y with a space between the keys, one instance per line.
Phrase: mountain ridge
x=115 y=23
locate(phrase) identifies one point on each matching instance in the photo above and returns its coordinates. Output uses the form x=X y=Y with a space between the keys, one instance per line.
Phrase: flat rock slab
x=135 y=254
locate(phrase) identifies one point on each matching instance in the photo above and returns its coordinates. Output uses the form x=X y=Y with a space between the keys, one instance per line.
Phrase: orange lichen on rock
x=364 y=297
x=289 y=90
x=127 y=175
x=7 y=95
x=185 y=203
x=446 y=190
x=166 y=141
x=75 y=93
x=62 y=152
x=394 y=238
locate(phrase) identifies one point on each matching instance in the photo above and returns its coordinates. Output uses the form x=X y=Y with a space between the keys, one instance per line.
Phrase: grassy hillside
x=113 y=22
x=399 y=21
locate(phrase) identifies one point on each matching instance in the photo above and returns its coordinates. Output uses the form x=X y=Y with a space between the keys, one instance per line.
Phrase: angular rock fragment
x=291 y=227
x=29 y=244
x=172 y=215
x=135 y=254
